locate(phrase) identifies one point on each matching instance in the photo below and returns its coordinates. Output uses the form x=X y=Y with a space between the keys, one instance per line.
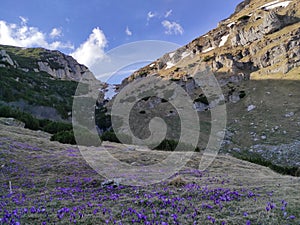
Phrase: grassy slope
x=37 y=89
x=57 y=185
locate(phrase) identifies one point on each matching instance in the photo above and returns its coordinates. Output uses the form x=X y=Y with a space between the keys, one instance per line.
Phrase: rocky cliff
x=261 y=38
x=255 y=56
x=54 y=63
x=41 y=82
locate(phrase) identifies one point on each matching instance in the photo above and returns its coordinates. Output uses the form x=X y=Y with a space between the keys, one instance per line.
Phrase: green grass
x=37 y=89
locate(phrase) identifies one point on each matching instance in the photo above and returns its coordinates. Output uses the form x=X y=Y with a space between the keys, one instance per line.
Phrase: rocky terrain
x=255 y=56
x=39 y=60
x=41 y=82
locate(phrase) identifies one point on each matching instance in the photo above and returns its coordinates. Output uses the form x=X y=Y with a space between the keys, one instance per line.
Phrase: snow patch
x=275 y=4
x=153 y=64
x=110 y=92
x=268 y=4
x=280 y=4
x=208 y=49
x=223 y=40
x=171 y=54
x=169 y=65
x=185 y=54
x=230 y=24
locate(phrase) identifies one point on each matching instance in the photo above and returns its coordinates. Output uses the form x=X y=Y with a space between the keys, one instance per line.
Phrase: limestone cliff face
x=261 y=36
x=261 y=39
x=54 y=63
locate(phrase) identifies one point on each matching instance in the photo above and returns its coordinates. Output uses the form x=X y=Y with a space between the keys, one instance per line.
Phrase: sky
x=91 y=30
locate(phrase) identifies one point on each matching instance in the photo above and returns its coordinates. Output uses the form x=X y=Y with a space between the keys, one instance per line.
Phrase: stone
x=251 y=107
x=290 y=114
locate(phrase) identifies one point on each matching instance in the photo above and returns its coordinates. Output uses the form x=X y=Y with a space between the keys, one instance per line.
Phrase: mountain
x=40 y=81
x=260 y=40
x=255 y=56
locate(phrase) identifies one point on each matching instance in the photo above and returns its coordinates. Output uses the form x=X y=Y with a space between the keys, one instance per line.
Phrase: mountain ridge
x=241 y=43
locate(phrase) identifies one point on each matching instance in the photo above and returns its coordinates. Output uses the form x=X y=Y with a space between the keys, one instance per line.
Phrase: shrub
x=244 y=18
x=53 y=127
x=110 y=136
x=257 y=159
x=207 y=58
x=172 y=145
x=242 y=94
x=202 y=98
x=65 y=137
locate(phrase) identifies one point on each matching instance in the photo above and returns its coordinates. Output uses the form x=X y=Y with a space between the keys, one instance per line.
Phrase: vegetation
x=244 y=18
x=33 y=123
x=257 y=159
x=202 y=98
x=37 y=89
x=207 y=58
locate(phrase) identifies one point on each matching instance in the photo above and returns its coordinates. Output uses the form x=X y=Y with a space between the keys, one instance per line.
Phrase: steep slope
x=259 y=41
x=40 y=81
x=261 y=38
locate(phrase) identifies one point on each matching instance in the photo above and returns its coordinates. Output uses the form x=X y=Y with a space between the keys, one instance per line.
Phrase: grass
x=53 y=184
x=37 y=89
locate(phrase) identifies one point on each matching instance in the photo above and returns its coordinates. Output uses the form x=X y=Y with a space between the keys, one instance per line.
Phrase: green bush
x=110 y=136
x=65 y=137
x=30 y=121
x=244 y=18
x=257 y=159
x=171 y=145
x=242 y=94
x=53 y=127
x=202 y=98
x=207 y=58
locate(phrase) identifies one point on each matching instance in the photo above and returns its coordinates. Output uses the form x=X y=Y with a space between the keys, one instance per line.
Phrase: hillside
x=46 y=182
x=39 y=81
x=255 y=56
x=260 y=40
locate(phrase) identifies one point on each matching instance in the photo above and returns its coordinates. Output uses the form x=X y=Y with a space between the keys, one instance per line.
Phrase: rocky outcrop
x=54 y=63
x=6 y=60
x=258 y=37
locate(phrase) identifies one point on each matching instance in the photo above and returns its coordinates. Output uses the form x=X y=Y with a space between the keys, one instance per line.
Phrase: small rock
x=236 y=149
x=263 y=137
x=113 y=182
x=290 y=114
x=251 y=107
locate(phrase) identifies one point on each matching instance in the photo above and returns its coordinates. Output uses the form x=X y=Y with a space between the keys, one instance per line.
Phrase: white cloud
x=56 y=32
x=92 y=50
x=168 y=13
x=172 y=27
x=128 y=32
x=23 y=20
x=26 y=36
x=150 y=15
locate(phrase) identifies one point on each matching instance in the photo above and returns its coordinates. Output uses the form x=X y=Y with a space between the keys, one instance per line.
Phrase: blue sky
x=88 y=29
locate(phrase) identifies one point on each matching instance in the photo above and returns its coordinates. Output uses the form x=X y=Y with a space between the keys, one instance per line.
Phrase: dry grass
x=52 y=161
